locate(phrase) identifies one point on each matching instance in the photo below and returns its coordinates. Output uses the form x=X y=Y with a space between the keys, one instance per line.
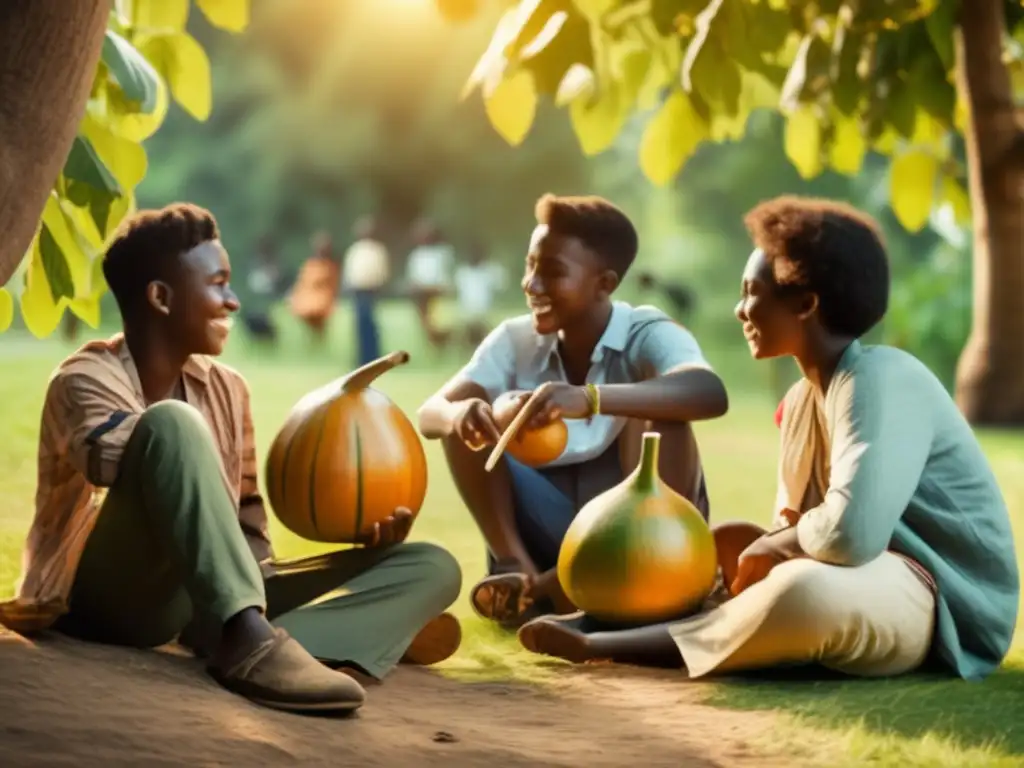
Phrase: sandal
x=504 y=598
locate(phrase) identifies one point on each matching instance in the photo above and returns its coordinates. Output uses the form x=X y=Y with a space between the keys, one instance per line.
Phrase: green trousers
x=167 y=557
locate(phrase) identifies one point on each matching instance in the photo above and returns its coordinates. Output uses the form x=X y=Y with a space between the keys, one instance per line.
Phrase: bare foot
x=558 y=637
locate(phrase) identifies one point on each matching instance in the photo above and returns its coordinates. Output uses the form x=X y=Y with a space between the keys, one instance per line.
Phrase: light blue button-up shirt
x=639 y=343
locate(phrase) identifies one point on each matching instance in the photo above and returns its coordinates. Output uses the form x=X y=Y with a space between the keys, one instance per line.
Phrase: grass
x=912 y=721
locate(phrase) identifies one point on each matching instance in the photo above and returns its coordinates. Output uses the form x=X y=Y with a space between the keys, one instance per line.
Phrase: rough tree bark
x=48 y=55
x=990 y=373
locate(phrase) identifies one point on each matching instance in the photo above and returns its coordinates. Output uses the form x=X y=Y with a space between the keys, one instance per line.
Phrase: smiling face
x=775 y=318
x=198 y=301
x=564 y=280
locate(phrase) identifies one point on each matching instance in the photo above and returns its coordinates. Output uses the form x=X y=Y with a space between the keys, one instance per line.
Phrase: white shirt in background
x=475 y=287
x=366 y=265
x=430 y=266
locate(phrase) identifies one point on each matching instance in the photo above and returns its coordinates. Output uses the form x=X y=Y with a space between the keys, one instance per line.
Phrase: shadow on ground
x=72 y=703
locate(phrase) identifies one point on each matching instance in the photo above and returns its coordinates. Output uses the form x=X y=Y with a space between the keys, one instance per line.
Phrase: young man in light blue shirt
x=610 y=369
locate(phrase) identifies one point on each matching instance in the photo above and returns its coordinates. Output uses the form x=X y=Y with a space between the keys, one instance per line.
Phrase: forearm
x=436 y=417
x=688 y=395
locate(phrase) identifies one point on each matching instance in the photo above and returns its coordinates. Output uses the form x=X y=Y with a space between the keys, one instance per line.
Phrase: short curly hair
x=831 y=249
x=147 y=246
x=597 y=223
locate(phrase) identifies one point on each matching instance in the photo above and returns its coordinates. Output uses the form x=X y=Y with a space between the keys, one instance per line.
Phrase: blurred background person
x=428 y=275
x=316 y=288
x=478 y=281
x=366 y=270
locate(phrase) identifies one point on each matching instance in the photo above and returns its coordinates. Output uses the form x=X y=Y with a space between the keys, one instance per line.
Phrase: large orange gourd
x=639 y=552
x=345 y=458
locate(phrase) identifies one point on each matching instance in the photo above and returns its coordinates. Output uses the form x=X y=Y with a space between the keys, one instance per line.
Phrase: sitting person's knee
x=172 y=417
x=440 y=568
x=802 y=586
x=174 y=426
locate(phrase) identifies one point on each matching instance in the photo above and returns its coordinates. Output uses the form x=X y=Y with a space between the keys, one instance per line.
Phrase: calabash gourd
x=536 y=447
x=639 y=552
x=345 y=458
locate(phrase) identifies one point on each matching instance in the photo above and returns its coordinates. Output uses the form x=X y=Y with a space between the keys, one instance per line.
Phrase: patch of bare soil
x=71 y=703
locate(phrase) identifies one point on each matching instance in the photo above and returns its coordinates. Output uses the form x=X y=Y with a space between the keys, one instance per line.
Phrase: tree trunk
x=990 y=373
x=48 y=55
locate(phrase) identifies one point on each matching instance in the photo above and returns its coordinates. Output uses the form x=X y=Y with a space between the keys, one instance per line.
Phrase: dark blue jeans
x=543 y=514
x=367 y=333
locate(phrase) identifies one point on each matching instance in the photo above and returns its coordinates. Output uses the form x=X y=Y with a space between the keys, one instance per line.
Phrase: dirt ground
x=70 y=703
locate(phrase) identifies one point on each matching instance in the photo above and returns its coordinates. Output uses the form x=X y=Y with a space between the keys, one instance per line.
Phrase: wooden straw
x=509 y=433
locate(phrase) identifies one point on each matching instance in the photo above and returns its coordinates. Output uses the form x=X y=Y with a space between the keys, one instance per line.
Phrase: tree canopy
x=850 y=77
x=148 y=58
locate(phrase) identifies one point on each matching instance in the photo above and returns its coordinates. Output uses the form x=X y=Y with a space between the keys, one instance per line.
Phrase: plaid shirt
x=93 y=401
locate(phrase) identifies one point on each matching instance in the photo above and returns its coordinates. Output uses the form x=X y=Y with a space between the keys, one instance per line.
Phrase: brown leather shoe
x=281 y=674
x=437 y=641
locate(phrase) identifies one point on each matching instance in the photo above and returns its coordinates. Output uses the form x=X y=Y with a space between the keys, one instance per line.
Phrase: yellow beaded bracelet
x=593 y=397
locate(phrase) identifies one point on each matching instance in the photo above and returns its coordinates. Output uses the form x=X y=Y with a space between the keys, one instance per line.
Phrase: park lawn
x=915 y=721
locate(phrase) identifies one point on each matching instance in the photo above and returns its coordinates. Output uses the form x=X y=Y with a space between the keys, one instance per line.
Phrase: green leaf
x=756 y=92
x=847 y=84
x=38 y=309
x=803 y=141
x=232 y=15
x=76 y=248
x=512 y=106
x=940 y=25
x=125 y=119
x=597 y=121
x=186 y=68
x=900 y=109
x=894 y=13
x=670 y=138
x=912 y=178
x=809 y=74
x=6 y=309
x=564 y=42
x=849 y=146
x=84 y=165
x=629 y=66
x=696 y=45
x=707 y=68
x=766 y=27
x=956 y=196
x=661 y=73
x=125 y=159
x=87 y=309
x=594 y=10
x=58 y=275
x=130 y=69
x=929 y=83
